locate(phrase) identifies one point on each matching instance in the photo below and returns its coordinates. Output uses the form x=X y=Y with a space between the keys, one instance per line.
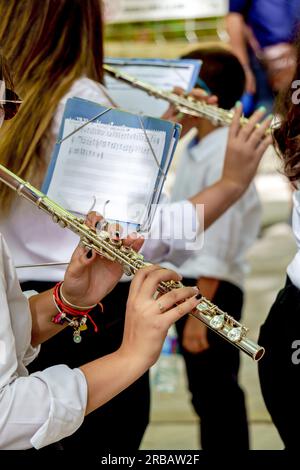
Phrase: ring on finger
x=179 y=310
x=161 y=307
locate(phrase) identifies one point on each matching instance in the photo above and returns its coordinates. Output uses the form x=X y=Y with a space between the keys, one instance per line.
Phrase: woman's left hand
x=90 y=277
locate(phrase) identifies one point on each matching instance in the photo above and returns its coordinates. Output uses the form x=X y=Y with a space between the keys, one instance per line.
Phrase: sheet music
x=111 y=163
x=177 y=74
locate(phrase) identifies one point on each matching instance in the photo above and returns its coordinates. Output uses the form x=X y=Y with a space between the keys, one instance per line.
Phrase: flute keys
x=103 y=235
x=202 y=307
x=235 y=335
x=217 y=322
x=127 y=270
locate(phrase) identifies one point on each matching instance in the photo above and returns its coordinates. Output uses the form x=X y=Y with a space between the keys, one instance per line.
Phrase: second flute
x=183 y=104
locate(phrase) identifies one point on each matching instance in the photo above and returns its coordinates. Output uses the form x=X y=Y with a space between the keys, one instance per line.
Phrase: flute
x=131 y=261
x=183 y=104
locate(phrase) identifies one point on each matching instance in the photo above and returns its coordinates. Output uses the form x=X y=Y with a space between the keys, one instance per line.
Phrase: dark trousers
x=120 y=424
x=264 y=95
x=279 y=369
x=213 y=381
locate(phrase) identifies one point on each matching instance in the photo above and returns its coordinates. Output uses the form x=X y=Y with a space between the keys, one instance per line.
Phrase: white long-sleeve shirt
x=293 y=269
x=226 y=242
x=33 y=238
x=38 y=409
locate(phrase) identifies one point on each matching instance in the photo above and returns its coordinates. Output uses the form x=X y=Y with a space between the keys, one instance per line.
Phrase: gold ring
x=161 y=308
x=179 y=310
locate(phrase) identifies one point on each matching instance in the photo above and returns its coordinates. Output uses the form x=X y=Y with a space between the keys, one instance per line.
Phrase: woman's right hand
x=148 y=319
x=146 y=325
x=245 y=149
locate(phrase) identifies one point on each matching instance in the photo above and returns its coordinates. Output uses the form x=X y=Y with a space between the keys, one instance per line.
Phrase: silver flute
x=183 y=104
x=217 y=320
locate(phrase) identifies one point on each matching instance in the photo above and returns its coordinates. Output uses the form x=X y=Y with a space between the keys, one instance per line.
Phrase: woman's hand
x=90 y=277
x=246 y=146
x=146 y=325
x=187 y=121
x=148 y=320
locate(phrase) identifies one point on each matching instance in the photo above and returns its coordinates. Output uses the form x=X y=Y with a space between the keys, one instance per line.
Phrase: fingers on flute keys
x=254 y=131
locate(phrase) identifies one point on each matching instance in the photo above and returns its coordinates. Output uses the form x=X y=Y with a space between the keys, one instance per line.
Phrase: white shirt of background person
x=228 y=239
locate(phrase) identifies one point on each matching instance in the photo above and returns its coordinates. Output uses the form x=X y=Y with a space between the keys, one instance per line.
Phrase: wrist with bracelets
x=74 y=315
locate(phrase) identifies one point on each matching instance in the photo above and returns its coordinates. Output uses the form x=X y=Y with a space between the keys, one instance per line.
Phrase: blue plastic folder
x=116 y=163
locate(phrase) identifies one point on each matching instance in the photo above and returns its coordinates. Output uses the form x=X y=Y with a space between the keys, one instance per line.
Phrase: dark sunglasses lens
x=11 y=108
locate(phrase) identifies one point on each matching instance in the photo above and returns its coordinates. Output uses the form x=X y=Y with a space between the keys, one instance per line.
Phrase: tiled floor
x=179 y=436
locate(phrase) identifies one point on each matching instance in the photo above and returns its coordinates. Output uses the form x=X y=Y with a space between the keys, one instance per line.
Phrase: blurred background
x=167 y=29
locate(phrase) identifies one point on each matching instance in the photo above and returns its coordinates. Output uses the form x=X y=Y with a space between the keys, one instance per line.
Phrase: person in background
x=55 y=50
x=261 y=33
x=219 y=267
x=279 y=368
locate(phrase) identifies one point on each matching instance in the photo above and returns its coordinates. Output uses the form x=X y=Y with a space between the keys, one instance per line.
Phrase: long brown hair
x=48 y=45
x=5 y=72
x=287 y=135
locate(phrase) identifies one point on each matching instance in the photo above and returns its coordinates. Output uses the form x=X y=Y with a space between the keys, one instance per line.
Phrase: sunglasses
x=10 y=104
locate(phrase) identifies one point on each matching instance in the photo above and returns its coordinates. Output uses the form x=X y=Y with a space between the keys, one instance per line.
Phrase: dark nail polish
x=198 y=296
x=89 y=254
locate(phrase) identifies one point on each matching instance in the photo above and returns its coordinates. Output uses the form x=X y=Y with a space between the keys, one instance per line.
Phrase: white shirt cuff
x=68 y=397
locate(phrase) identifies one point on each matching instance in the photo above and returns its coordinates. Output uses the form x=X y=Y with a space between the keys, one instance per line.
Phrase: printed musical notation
x=111 y=161
x=106 y=162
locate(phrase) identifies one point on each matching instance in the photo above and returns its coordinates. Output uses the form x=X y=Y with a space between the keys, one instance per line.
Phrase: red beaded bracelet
x=64 y=310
